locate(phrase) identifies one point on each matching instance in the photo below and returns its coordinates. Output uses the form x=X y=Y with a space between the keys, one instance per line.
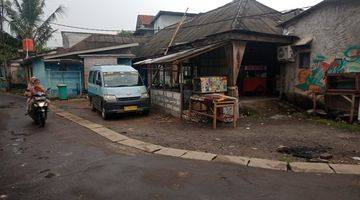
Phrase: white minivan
x=117 y=89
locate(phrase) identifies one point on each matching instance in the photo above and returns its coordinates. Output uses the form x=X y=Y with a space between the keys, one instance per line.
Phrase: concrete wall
x=91 y=61
x=168 y=101
x=334 y=28
x=165 y=20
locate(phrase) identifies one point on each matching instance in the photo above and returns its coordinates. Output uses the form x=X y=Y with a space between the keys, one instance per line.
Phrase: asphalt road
x=66 y=161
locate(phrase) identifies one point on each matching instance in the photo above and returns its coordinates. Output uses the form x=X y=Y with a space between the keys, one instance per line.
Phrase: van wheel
x=92 y=105
x=104 y=114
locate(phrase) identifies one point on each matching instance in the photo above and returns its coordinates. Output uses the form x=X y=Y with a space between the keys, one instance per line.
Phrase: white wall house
x=167 y=18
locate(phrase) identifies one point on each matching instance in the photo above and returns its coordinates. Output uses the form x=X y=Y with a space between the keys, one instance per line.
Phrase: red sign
x=28 y=45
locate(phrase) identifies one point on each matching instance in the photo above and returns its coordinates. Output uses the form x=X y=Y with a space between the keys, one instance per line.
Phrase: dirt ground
x=263 y=127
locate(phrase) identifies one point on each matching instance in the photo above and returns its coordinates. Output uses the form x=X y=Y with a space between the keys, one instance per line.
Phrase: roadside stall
x=192 y=83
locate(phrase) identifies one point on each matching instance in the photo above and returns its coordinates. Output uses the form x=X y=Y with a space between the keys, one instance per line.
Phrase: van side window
x=91 y=77
x=95 y=74
x=98 y=79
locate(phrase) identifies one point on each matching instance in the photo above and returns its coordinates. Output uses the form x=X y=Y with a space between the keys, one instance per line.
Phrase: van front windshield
x=121 y=79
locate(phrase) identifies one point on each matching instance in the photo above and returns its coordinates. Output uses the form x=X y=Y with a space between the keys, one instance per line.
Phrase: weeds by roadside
x=286 y=158
x=283 y=109
x=336 y=124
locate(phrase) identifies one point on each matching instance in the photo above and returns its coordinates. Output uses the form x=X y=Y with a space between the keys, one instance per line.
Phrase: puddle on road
x=309 y=153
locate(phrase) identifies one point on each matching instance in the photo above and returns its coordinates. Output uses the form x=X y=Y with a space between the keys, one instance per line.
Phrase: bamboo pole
x=176 y=31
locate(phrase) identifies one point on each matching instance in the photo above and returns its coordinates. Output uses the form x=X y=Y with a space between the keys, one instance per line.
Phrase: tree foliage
x=8 y=46
x=26 y=20
x=125 y=33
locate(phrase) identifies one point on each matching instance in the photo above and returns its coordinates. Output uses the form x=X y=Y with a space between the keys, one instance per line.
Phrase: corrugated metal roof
x=247 y=15
x=179 y=55
x=103 y=40
x=114 y=68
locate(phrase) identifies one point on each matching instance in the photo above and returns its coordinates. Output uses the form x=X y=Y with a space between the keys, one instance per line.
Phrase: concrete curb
x=195 y=155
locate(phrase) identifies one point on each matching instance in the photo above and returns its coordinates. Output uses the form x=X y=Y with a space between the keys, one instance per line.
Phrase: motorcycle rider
x=27 y=93
x=33 y=88
x=29 y=87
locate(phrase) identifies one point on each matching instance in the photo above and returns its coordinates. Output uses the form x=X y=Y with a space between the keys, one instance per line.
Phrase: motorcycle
x=39 y=108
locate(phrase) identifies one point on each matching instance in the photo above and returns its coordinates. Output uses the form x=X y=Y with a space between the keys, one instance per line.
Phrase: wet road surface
x=66 y=161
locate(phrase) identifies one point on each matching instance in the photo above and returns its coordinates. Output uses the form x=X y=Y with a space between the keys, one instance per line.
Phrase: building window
x=304 y=60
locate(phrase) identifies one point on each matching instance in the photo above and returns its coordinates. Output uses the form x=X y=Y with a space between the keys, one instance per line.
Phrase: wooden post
x=149 y=70
x=314 y=102
x=352 y=108
x=163 y=76
x=234 y=55
x=359 y=112
x=234 y=116
x=215 y=115
x=190 y=109
x=181 y=88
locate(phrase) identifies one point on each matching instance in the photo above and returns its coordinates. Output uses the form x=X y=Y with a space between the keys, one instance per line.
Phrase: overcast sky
x=121 y=14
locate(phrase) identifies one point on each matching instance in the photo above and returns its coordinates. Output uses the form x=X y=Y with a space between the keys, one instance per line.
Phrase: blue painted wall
x=38 y=70
x=51 y=74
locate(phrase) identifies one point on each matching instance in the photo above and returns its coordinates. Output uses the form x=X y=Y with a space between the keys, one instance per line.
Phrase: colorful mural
x=350 y=63
x=314 y=79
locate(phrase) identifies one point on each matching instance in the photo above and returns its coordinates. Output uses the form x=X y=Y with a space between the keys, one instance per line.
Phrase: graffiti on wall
x=314 y=79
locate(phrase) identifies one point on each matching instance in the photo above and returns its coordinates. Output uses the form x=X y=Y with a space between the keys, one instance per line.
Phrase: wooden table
x=350 y=96
x=212 y=105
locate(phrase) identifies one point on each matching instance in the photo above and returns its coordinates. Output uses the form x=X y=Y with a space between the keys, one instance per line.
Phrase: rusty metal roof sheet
x=104 y=40
x=189 y=53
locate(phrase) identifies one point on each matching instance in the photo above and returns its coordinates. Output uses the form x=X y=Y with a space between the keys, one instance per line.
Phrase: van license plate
x=130 y=108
